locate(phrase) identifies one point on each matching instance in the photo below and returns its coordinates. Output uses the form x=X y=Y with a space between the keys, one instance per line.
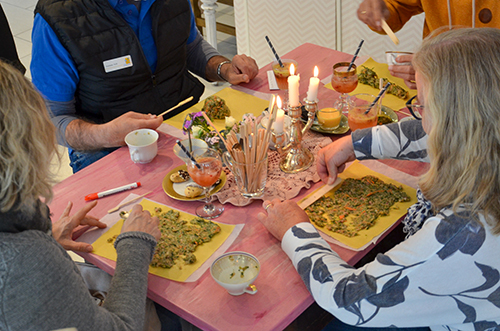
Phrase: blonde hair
x=462 y=70
x=27 y=143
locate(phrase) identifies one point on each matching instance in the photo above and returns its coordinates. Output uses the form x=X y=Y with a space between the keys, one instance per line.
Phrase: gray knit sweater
x=41 y=287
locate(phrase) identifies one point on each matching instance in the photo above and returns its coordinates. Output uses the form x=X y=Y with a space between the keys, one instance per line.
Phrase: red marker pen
x=98 y=195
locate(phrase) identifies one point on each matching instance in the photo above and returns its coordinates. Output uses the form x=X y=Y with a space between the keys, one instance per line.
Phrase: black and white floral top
x=446 y=275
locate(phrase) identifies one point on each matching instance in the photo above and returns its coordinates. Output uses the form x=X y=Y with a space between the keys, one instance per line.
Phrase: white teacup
x=236 y=271
x=142 y=145
x=392 y=55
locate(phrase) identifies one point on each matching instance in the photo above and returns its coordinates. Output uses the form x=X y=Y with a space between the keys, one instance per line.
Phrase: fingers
x=80 y=215
x=244 y=68
x=371 y=12
x=411 y=84
x=67 y=210
x=322 y=168
x=70 y=245
x=92 y=221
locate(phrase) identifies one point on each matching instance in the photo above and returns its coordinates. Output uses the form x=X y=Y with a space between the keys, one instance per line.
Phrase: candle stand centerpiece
x=295 y=157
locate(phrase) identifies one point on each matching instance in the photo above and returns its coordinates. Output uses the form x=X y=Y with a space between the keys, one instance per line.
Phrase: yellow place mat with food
x=239 y=104
x=356 y=170
x=382 y=70
x=180 y=271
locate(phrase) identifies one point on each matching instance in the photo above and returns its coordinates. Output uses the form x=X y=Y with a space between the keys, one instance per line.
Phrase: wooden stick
x=389 y=32
x=205 y=116
x=112 y=210
x=176 y=106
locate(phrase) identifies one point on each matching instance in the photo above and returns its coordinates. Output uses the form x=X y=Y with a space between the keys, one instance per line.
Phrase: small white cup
x=236 y=271
x=391 y=56
x=142 y=145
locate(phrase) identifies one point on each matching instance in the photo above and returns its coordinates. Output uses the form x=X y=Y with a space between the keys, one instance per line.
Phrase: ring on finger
x=363 y=12
x=269 y=205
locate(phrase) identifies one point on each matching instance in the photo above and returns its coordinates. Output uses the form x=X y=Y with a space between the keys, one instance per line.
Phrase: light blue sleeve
x=53 y=70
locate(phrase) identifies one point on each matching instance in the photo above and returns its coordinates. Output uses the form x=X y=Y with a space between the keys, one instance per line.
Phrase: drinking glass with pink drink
x=205 y=172
x=363 y=112
x=344 y=80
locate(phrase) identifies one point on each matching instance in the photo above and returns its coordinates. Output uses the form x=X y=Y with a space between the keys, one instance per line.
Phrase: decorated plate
x=175 y=190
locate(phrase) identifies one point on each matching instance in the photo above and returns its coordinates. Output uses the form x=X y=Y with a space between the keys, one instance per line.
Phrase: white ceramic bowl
x=195 y=143
x=236 y=271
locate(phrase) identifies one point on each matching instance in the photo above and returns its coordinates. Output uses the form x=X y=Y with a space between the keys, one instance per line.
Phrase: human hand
x=242 y=70
x=406 y=72
x=114 y=132
x=63 y=229
x=281 y=216
x=371 y=12
x=141 y=220
x=332 y=159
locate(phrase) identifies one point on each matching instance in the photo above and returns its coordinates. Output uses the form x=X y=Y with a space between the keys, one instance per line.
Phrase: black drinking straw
x=355 y=54
x=188 y=154
x=274 y=51
x=378 y=97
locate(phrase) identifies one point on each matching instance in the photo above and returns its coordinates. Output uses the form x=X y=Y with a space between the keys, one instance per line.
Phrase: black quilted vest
x=93 y=32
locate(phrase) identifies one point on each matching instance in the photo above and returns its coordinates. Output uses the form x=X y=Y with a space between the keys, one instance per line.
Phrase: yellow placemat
x=382 y=70
x=203 y=252
x=239 y=104
x=364 y=237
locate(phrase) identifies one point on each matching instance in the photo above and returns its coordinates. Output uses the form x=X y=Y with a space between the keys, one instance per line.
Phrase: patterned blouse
x=446 y=275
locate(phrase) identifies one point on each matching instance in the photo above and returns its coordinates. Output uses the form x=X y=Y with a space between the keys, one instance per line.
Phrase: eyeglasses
x=415 y=108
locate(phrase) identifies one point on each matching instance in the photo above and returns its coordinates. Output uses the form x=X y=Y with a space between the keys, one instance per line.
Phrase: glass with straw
x=204 y=166
x=345 y=80
x=281 y=70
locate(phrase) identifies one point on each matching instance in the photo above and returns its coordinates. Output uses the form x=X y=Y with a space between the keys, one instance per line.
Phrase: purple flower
x=198 y=114
x=187 y=124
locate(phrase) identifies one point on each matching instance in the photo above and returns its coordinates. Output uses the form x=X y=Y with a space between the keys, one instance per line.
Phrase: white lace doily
x=279 y=184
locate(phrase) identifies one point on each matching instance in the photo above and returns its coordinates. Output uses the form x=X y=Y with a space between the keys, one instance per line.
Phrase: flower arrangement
x=198 y=126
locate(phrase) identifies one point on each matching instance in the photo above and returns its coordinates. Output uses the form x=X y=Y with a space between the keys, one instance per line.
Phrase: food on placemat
x=179 y=176
x=179 y=238
x=216 y=108
x=192 y=191
x=368 y=76
x=363 y=199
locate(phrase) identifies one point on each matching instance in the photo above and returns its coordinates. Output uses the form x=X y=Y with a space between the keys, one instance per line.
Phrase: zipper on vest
x=153 y=79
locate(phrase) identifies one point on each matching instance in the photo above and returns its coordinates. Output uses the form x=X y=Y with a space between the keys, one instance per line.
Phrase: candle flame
x=316 y=71
x=292 y=69
x=278 y=102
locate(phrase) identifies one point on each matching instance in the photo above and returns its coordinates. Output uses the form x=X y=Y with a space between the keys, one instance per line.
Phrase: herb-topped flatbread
x=356 y=205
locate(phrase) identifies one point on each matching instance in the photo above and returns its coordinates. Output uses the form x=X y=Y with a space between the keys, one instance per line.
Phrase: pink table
x=281 y=296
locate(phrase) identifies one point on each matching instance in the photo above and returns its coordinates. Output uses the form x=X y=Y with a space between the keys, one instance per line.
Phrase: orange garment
x=436 y=13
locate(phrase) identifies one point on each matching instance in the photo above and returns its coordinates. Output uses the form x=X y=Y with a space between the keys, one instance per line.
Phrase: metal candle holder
x=297 y=157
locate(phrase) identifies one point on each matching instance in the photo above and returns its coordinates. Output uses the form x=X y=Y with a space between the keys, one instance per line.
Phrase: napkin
x=382 y=71
x=239 y=103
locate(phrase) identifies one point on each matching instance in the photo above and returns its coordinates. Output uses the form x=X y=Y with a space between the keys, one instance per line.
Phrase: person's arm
x=204 y=60
x=395 y=282
x=395 y=12
x=403 y=141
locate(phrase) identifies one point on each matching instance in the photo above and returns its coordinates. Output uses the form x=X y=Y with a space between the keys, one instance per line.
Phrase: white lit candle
x=293 y=87
x=312 y=93
x=280 y=118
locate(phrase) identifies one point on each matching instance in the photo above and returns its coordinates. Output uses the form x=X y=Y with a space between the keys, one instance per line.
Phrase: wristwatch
x=219 y=67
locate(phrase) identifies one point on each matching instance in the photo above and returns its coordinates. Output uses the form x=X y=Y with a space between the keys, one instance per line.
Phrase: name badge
x=118 y=63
